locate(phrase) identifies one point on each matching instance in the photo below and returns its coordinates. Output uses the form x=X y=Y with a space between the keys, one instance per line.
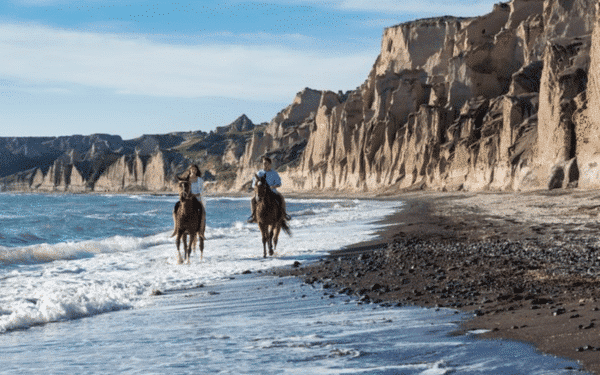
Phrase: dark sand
x=527 y=265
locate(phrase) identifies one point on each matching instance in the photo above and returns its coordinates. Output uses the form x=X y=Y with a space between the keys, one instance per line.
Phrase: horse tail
x=285 y=227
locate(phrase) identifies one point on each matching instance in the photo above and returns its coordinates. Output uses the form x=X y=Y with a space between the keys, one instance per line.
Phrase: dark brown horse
x=269 y=215
x=188 y=222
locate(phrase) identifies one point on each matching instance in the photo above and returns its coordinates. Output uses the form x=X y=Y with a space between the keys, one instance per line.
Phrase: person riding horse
x=274 y=182
x=197 y=183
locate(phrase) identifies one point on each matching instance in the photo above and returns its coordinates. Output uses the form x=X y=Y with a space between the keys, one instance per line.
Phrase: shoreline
x=526 y=265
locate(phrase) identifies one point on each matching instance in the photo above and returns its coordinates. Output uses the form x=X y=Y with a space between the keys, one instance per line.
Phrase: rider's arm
x=198 y=187
x=276 y=181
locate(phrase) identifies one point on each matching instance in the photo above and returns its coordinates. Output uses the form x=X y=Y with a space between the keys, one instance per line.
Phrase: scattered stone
x=559 y=311
x=587 y=348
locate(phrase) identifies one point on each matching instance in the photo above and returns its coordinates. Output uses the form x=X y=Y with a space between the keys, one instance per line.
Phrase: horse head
x=261 y=187
x=185 y=188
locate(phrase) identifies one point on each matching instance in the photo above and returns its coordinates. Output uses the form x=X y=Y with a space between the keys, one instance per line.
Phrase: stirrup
x=251 y=220
x=288 y=217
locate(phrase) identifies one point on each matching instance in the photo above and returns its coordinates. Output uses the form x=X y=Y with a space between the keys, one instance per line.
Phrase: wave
x=4 y=216
x=30 y=312
x=67 y=280
x=44 y=253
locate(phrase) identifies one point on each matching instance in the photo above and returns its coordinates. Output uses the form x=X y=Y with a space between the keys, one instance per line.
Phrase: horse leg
x=264 y=230
x=192 y=244
x=201 y=232
x=271 y=240
x=201 y=245
x=186 y=257
x=177 y=242
x=276 y=236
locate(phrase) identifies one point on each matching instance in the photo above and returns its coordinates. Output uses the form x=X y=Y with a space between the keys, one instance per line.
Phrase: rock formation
x=89 y=163
x=491 y=102
x=505 y=101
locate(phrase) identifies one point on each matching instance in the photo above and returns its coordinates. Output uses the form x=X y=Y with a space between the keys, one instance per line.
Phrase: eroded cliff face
x=492 y=102
x=105 y=163
x=505 y=101
x=80 y=164
x=283 y=139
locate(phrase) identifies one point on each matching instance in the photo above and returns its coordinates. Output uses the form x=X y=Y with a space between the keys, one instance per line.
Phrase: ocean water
x=77 y=275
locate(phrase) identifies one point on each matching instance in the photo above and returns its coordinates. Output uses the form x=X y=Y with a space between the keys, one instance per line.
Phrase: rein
x=267 y=193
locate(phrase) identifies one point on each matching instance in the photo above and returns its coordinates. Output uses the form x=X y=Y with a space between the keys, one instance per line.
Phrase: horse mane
x=270 y=219
x=185 y=186
x=263 y=179
x=272 y=196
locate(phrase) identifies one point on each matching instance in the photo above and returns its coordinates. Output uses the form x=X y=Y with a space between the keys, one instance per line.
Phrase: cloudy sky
x=153 y=67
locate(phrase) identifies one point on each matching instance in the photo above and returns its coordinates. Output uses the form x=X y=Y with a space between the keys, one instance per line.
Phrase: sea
x=90 y=284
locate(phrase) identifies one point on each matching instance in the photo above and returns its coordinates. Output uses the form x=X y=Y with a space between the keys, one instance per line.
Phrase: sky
x=139 y=67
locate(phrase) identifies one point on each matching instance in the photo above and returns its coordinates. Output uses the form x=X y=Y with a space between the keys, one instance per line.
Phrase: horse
x=188 y=222
x=269 y=215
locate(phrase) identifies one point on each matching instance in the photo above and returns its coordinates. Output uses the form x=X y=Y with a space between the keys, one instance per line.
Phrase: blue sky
x=153 y=67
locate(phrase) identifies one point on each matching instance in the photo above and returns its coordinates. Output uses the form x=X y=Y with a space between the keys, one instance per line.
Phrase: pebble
x=495 y=276
x=587 y=348
x=559 y=311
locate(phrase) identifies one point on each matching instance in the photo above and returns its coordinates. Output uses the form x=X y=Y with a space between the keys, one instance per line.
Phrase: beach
x=91 y=284
x=526 y=266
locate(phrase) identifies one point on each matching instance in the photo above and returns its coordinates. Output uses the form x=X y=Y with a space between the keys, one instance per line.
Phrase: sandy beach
x=526 y=265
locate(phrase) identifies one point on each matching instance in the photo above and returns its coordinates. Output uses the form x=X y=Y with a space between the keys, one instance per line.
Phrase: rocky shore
x=526 y=265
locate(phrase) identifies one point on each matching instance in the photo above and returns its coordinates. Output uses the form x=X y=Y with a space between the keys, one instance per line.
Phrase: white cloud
x=437 y=7
x=44 y=56
x=419 y=8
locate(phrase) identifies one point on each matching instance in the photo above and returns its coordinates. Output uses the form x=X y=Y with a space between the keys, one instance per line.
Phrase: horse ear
x=186 y=178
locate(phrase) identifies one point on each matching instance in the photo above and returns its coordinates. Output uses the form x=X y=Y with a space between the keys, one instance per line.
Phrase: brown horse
x=188 y=222
x=269 y=215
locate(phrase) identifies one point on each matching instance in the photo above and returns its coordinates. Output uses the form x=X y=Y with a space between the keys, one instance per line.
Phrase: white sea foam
x=233 y=324
x=52 y=282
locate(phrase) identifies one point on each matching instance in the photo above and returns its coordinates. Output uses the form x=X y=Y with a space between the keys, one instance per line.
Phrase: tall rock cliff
x=506 y=101
x=283 y=139
x=98 y=162
x=491 y=102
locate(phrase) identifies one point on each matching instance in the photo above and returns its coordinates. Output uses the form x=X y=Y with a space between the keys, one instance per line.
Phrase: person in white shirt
x=197 y=184
x=274 y=182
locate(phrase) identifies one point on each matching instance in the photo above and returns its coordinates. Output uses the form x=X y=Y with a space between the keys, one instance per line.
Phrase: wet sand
x=526 y=265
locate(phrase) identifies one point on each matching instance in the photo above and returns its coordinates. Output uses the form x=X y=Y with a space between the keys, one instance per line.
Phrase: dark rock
x=559 y=311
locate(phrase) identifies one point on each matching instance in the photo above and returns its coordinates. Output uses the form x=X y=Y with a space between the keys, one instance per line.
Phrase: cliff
x=504 y=101
x=492 y=102
x=106 y=163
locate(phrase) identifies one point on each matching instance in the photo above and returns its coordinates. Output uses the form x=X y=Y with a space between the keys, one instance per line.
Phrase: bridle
x=261 y=186
x=184 y=189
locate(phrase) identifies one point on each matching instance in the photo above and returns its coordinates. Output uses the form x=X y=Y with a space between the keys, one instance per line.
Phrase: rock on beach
x=526 y=265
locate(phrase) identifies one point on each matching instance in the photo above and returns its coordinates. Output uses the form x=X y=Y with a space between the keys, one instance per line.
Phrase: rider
x=196 y=183
x=274 y=182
